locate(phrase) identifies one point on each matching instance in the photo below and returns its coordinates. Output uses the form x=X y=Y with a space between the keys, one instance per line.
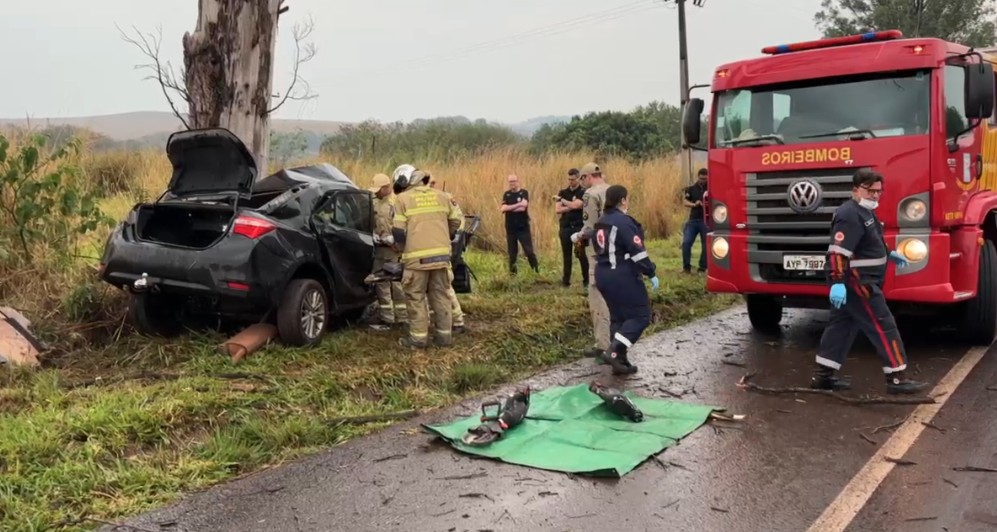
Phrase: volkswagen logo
x=804 y=196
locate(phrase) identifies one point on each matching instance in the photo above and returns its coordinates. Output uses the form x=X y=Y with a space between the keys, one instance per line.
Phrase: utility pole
x=686 y=157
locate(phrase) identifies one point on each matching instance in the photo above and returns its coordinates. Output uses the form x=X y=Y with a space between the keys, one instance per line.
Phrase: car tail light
x=234 y=285
x=250 y=227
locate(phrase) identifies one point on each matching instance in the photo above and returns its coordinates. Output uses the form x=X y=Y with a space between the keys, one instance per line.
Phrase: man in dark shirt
x=568 y=204
x=696 y=226
x=515 y=205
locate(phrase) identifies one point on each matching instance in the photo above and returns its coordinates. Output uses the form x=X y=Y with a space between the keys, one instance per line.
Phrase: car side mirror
x=692 y=121
x=979 y=91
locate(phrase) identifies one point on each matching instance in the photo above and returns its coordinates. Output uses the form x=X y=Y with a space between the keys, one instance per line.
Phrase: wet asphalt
x=775 y=470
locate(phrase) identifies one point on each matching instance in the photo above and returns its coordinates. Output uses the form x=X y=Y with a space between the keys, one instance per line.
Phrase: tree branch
x=303 y=53
x=281 y=8
x=744 y=383
x=149 y=45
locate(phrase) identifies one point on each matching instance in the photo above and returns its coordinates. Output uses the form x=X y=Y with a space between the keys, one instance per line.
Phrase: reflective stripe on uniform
x=639 y=257
x=415 y=211
x=623 y=340
x=839 y=250
x=612 y=247
x=859 y=263
x=424 y=253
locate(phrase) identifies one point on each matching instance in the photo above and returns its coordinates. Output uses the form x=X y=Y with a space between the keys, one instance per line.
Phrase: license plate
x=803 y=262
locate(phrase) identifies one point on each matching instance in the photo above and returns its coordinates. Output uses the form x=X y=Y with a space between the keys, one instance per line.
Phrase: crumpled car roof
x=286 y=178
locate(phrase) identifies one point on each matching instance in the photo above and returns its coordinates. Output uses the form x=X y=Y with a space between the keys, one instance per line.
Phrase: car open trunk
x=213 y=176
x=190 y=225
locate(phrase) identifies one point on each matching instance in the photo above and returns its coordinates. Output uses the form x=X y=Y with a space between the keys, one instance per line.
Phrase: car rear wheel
x=303 y=313
x=154 y=315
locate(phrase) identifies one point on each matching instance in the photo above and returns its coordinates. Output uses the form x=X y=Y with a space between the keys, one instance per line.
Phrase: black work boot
x=825 y=378
x=899 y=383
x=616 y=356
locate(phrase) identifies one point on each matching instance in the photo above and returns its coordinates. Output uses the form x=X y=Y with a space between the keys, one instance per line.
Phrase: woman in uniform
x=621 y=263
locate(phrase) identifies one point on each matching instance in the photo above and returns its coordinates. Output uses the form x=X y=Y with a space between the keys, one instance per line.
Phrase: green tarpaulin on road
x=570 y=429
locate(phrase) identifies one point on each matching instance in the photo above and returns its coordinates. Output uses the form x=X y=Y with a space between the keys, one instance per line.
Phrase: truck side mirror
x=691 y=120
x=979 y=91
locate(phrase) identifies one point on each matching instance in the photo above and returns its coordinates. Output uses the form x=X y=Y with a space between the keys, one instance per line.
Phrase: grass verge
x=121 y=429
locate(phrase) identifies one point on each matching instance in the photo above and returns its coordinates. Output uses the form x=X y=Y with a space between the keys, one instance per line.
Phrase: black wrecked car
x=292 y=249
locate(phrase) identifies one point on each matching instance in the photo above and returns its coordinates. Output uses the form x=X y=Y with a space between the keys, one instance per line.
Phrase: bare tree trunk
x=228 y=67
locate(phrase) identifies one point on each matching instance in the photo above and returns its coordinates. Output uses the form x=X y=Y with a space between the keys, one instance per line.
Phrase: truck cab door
x=344 y=224
x=964 y=138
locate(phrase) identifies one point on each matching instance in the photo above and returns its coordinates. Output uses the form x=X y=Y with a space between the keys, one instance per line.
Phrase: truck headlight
x=720 y=214
x=913 y=249
x=720 y=247
x=915 y=210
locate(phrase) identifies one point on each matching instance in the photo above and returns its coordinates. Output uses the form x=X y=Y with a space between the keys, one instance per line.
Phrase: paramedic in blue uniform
x=856 y=264
x=620 y=261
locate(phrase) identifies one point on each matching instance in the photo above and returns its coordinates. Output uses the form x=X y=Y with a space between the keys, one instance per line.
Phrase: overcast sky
x=507 y=60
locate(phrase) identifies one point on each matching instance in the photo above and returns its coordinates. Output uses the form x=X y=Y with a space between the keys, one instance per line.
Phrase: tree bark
x=228 y=68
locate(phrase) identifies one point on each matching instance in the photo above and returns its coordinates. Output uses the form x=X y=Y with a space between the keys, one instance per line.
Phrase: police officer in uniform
x=516 y=208
x=392 y=308
x=592 y=207
x=568 y=205
x=621 y=260
x=856 y=266
x=425 y=222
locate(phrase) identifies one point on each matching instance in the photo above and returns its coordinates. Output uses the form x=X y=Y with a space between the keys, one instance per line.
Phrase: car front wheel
x=303 y=313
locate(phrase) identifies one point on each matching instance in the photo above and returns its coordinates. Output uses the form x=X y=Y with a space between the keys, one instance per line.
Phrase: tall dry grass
x=477 y=184
x=125 y=178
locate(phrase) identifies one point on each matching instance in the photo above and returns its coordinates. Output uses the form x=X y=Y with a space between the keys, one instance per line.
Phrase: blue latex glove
x=654 y=283
x=898 y=259
x=837 y=295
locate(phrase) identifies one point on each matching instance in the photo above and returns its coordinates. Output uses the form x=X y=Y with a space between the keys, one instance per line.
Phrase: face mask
x=869 y=204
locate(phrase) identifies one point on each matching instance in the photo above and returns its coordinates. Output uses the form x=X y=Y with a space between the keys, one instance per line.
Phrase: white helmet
x=403 y=175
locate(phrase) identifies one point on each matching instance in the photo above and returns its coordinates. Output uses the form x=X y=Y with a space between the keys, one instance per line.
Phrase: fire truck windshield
x=852 y=107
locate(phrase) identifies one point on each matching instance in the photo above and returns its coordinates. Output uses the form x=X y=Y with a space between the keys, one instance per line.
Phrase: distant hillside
x=154 y=124
x=151 y=128
x=525 y=128
x=529 y=127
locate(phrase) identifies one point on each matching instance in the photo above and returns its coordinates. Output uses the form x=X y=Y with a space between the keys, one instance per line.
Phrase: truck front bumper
x=925 y=281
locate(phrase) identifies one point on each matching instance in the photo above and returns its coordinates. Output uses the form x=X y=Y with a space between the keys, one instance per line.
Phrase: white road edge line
x=856 y=494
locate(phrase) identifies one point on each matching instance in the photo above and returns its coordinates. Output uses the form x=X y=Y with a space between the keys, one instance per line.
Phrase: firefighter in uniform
x=621 y=260
x=856 y=264
x=390 y=297
x=592 y=207
x=425 y=223
x=458 y=314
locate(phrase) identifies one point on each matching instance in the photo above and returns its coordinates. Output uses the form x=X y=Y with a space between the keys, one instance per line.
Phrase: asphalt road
x=778 y=469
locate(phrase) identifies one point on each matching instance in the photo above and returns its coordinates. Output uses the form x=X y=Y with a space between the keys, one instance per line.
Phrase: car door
x=345 y=226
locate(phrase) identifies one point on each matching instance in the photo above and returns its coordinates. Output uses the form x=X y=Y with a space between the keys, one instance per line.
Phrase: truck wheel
x=979 y=321
x=154 y=315
x=303 y=313
x=764 y=312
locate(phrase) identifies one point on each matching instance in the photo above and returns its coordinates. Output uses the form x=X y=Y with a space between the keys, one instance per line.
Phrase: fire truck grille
x=779 y=236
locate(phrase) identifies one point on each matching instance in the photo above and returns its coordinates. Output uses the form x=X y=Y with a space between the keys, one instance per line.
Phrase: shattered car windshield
x=857 y=107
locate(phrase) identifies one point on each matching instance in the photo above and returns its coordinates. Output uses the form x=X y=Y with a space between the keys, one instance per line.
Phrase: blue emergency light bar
x=871 y=36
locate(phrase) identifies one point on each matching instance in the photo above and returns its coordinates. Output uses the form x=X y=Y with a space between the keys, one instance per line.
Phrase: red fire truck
x=789 y=129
